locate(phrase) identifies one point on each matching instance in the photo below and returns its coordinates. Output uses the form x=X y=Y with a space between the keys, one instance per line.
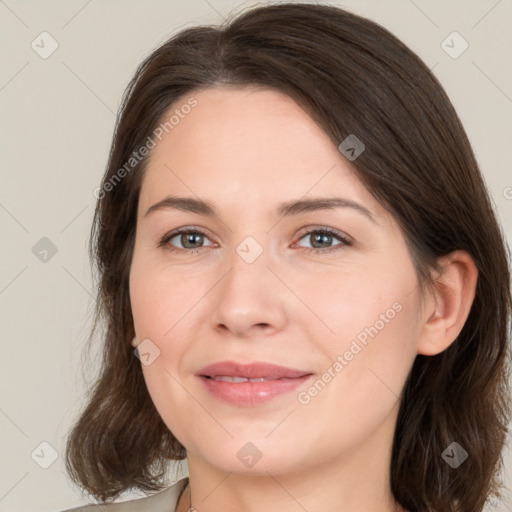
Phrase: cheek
x=367 y=382
x=160 y=332
x=156 y=307
x=371 y=359
x=161 y=305
x=375 y=321
x=158 y=299
x=358 y=303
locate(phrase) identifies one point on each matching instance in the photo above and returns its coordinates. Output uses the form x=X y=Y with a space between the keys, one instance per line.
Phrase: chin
x=253 y=458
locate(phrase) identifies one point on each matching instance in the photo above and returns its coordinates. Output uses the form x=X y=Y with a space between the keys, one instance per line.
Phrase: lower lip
x=250 y=394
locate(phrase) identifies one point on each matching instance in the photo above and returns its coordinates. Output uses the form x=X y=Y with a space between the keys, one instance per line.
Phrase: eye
x=190 y=239
x=323 y=237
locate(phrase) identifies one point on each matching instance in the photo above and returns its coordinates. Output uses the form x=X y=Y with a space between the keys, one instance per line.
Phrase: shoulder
x=163 y=501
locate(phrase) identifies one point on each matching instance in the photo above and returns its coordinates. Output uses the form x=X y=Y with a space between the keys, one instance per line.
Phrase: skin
x=246 y=150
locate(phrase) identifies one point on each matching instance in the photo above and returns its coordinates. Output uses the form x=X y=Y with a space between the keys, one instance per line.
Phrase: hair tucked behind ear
x=353 y=77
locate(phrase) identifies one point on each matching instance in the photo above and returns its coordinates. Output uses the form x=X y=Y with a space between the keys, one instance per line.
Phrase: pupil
x=324 y=236
x=190 y=238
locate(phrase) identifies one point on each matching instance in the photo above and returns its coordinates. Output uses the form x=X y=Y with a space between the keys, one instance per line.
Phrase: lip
x=256 y=370
x=249 y=394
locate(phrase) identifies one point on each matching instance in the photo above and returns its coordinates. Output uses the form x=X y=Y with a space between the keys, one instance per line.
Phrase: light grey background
x=58 y=116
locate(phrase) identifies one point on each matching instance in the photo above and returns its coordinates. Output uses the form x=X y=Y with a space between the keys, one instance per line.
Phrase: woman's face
x=329 y=292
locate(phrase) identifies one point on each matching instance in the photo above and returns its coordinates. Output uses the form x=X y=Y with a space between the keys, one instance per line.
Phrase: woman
x=305 y=288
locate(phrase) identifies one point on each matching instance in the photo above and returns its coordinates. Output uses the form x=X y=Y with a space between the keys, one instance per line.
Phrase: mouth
x=249 y=385
x=251 y=371
x=227 y=378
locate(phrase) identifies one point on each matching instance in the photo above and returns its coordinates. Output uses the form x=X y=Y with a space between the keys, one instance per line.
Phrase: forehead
x=247 y=144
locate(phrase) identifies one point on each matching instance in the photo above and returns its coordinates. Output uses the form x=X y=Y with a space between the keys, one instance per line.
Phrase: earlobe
x=449 y=303
x=134 y=342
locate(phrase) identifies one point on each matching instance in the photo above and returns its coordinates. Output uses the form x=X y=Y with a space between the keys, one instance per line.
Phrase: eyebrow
x=286 y=209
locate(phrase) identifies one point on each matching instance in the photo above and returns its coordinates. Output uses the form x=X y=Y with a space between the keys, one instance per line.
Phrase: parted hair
x=353 y=77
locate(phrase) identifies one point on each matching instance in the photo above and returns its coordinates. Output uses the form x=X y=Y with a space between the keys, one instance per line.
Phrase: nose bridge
x=250 y=249
x=247 y=295
x=248 y=269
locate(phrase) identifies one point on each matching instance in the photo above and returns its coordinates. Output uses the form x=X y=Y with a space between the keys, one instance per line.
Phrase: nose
x=250 y=299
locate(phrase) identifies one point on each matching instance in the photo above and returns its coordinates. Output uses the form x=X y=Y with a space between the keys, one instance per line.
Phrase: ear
x=448 y=305
x=134 y=342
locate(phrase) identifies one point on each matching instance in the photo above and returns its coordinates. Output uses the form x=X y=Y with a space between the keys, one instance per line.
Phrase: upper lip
x=254 y=370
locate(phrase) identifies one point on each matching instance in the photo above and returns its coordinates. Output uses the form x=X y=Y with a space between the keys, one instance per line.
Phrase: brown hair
x=353 y=77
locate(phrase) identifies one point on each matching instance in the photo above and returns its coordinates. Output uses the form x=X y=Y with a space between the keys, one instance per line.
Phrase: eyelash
x=345 y=241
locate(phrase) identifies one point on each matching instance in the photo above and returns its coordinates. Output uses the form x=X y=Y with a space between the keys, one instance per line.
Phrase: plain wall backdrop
x=58 y=106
